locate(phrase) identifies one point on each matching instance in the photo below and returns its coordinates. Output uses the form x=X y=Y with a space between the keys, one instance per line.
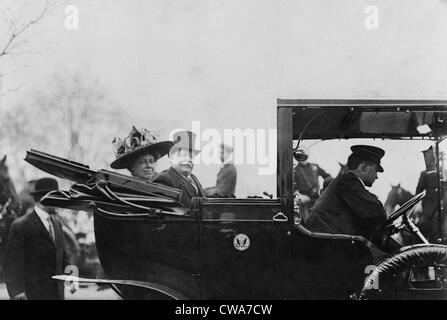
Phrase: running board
x=141 y=284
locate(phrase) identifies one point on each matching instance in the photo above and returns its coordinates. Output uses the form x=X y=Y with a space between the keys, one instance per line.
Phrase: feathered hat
x=138 y=142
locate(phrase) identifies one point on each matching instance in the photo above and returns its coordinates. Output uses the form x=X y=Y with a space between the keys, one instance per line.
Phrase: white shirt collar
x=43 y=215
x=186 y=177
x=361 y=181
x=228 y=161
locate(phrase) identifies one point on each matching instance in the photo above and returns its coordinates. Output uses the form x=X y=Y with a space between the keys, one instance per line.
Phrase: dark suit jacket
x=226 y=180
x=173 y=178
x=32 y=258
x=346 y=207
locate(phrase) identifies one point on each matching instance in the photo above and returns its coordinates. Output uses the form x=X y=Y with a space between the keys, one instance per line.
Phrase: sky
x=168 y=63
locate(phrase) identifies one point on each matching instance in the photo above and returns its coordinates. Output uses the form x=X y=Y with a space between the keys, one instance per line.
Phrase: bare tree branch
x=8 y=22
x=16 y=34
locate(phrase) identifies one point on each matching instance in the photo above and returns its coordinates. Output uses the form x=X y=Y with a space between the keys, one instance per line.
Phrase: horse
x=397 y=196
x=343 y=170
x=9 y=206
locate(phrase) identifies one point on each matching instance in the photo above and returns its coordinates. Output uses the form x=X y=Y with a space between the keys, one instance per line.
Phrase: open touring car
x=152 y=247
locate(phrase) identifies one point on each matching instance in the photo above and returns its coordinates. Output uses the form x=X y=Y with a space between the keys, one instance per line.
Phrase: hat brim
x=161 y=148
x=41 y=192
x=174 y=148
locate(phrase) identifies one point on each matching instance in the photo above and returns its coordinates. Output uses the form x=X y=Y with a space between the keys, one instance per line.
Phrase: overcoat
x=32 y=258
x=346 y=207
x=173 y=178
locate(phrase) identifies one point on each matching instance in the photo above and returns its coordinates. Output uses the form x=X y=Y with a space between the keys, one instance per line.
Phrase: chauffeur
x=346 y=207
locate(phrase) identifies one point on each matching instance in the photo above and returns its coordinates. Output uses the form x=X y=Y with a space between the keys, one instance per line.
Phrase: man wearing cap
x=226 y=177
x=36 y=251
x=139 y=153
x=428 y=181
x=306 y=185
x=179 y=174
x=346 y=207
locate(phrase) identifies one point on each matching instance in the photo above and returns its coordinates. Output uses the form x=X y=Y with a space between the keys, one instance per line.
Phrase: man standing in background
x=227 y=176
x=36 y=251
x=306 y=185
x=428 y=181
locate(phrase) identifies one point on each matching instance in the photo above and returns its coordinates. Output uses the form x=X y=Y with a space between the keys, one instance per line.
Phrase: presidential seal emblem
x=241 y=242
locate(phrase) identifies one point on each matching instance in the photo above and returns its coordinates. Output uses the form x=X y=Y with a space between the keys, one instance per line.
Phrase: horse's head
x=4 y=172
x=343 y=169
x=7 y=188
x=9 y=205
x=396 y=196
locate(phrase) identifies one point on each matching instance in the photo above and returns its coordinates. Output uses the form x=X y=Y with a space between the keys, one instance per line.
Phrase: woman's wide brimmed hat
x=137 y=143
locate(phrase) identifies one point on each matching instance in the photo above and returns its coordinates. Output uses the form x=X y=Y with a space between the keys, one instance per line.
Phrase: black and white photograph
x=223 y=150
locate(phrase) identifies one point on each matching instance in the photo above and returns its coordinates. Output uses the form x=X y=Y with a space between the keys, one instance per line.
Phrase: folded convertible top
x=103 y=188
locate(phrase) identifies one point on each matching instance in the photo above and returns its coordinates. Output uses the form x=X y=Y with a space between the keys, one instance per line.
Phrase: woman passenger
x=139 y=153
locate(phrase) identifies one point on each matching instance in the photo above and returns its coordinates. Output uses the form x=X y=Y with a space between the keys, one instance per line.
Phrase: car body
x=247 y=248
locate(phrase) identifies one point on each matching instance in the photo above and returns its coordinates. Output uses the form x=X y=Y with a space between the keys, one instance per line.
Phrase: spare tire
x=415 y=272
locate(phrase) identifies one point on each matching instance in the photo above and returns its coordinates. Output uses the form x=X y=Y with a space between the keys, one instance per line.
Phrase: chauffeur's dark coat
x=173 y=178
x=346 y=207
x=32 y=258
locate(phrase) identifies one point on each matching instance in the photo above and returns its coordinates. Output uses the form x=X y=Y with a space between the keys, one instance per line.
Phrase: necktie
x=51 y=228
x=193 y=183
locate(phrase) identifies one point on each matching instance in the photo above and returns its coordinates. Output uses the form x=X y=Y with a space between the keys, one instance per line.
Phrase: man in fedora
x=179 y=174
x=139 y=153
x=36 y=251
x=346 y=207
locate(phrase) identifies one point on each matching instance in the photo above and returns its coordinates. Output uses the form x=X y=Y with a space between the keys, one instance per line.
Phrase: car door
x=244 y=248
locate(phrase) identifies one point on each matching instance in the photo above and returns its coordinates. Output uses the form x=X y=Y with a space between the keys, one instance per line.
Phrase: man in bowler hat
x=179 y=174
x=346 y=207
x=36 y=251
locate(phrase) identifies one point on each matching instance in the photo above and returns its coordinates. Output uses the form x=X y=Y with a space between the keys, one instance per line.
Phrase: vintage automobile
x=153 y=248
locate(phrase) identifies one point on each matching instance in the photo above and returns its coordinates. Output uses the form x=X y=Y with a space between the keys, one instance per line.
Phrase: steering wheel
x=406 y=207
